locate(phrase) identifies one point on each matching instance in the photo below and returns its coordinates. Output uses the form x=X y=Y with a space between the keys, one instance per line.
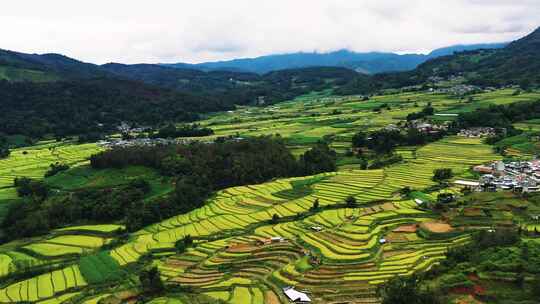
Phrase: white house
x=296 y=296
x=277 y=239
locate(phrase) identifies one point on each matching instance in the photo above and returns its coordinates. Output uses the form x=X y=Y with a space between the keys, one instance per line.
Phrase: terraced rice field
x=234 y=260
x=336 y=254
x=34 y=161
x=44 y=286
x=62 y=244
x=348 y=248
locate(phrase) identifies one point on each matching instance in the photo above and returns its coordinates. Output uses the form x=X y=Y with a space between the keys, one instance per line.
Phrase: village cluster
x=117 y=143
x=517 y=176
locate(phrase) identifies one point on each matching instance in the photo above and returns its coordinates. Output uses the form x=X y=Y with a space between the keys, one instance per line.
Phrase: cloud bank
x=133 y=31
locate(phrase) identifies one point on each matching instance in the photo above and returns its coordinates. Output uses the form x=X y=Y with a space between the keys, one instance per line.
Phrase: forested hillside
x=236 y=87
x=54 y=94
x=15 y=66
x=85 y=106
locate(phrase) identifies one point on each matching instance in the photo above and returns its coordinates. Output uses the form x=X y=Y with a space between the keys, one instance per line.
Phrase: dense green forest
x=83 y=106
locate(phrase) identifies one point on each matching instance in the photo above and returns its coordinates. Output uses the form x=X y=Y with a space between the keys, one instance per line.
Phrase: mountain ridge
x=366 y=62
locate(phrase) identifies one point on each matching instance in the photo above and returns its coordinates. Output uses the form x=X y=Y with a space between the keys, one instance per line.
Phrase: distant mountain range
x=516 y=63
x=368 y=63
x=52 y=93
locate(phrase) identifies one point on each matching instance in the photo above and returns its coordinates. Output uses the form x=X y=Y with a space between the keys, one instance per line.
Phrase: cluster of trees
x=442 y=174
x=499 y=116
x=189 y=130
x=384 y=160
x=427 y=111
x=56 y=168
x=482 y=241
x=93 y=106
x=151 y=283
x=199 y=169
x=183 y=244
x=4 y=147
x=27 y=187
x=39 y=211
x=369 y=84
x=385 y=141
x=407 y=290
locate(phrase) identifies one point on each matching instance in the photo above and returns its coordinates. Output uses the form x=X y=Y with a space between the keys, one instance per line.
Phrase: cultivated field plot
x=307 y=119
x=350 y=250
x=346 y=248
x=34 y=161
x=44 y=286
x=59 y=246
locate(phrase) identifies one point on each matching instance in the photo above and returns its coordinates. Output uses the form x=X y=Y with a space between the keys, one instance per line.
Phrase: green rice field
x=336 y=253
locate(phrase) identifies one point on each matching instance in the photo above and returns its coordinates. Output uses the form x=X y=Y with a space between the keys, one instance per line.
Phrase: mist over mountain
x=368 y=63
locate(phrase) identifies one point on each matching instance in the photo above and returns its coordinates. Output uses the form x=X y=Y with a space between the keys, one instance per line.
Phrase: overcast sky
x=133 y=31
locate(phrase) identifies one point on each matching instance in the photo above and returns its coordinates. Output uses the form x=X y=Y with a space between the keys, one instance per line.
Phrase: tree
x=363 y=163
x=183 y=244
x=359 y=140
x=4 y=152
x=28 y=187
x=190 y=193
x=141 y=184
x=151 y=281
x=275 y=218
x=318 y=159
x=520 y=279
x=405 y=191
x=427 y=111
x=440 y=175
x=445 y=198
x=315 y=205
x=525 y=252
x=56 y=168
x=350 y=201
x=536 y=286
x=405 y=290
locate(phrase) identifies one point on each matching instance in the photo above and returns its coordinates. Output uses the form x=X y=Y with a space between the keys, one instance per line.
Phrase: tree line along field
x=228 y=264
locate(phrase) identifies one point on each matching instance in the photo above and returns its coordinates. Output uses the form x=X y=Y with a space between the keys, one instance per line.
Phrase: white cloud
x=192 y=31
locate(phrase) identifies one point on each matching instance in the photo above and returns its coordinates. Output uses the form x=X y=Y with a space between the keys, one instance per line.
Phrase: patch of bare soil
x=437 y=227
